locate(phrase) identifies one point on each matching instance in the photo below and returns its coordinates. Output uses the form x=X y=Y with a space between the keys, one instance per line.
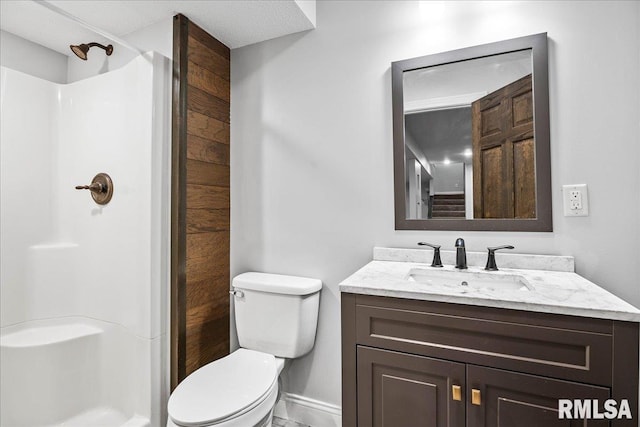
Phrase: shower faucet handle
x=95 y=187
x=101 y=188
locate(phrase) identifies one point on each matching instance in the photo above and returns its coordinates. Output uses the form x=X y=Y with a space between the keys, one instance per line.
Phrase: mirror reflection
x=469 y=139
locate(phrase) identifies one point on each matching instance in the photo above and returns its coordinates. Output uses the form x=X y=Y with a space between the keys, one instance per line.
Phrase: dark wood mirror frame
x=543 y=221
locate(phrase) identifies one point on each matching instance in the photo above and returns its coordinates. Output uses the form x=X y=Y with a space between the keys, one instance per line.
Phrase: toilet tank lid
x=277 y=283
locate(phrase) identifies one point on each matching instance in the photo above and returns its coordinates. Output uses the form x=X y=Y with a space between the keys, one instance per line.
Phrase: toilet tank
x=276 y=314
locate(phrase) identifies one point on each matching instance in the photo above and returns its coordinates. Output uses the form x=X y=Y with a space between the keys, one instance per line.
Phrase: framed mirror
x=471 y=138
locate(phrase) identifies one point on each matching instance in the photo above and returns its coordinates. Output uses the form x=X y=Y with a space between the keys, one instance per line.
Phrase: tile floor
x=281 y=422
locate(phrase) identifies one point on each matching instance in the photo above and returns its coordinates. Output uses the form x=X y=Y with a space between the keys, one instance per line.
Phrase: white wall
x=31 y=58
x=308 y=7
x=24 y=221
x=448 y=178
x=36 y=60
x=157 y=37
x=312 y=178
x=468 y=190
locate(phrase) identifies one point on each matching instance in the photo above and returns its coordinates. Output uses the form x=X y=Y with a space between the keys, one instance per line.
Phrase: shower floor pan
x=103 y=417
x=66 y=372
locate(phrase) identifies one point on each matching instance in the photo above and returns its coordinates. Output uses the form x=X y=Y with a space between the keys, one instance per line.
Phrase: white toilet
x=276 y=318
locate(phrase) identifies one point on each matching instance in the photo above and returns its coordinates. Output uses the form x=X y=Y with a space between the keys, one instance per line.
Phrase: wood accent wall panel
x=200 y=205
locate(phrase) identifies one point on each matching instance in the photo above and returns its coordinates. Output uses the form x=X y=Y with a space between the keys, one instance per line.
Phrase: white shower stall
x=83 y=287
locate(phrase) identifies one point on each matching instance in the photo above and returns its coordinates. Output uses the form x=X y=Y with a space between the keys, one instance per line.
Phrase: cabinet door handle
x=456 y=392
x=476 y=397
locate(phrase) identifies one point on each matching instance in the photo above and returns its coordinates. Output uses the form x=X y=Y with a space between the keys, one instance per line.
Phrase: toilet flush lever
x=237 y=293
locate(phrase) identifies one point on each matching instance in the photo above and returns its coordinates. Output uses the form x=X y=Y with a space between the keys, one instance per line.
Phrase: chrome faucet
x=461 y=254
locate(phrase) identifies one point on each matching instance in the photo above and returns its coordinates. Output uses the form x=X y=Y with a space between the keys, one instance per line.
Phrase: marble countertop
x=555 y=290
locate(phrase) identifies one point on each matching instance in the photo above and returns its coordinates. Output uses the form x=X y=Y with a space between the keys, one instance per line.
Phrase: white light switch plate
x=575 y=200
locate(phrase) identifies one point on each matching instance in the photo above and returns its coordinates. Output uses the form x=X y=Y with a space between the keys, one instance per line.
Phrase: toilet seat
x=224 y=389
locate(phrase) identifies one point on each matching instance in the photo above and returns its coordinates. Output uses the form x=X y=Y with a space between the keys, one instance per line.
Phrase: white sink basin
x=481 y=280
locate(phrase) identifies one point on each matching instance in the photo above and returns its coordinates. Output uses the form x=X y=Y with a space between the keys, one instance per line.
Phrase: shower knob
x=93 y=187
x=101 y=188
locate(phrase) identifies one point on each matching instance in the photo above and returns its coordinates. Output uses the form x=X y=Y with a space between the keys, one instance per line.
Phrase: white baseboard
x=308 y=411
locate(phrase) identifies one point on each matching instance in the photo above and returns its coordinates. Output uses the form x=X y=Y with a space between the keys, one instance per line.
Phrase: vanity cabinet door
x=404 y=390
x=510 y=399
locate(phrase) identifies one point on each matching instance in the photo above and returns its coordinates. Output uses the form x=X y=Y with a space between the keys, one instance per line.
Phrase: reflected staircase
x=448 y=206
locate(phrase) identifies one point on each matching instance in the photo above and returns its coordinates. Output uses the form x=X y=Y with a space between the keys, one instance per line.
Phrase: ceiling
x=442 y=134
x=475 y=77
x=235 y=23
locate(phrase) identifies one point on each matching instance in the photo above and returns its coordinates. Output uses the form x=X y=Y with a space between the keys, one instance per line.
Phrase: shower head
x=81 y=50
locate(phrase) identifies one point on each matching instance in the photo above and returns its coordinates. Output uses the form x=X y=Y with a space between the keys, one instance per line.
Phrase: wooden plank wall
x=200 y=200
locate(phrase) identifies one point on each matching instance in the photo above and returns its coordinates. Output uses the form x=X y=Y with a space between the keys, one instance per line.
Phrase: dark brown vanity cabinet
x=398 y=389
x=512 y=399
x=418 y=363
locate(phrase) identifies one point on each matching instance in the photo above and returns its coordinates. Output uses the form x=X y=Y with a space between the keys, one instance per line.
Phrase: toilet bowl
x=238 y=390
x=276 y=318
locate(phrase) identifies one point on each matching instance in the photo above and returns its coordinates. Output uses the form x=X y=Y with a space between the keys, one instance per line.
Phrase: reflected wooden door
x=504 y=153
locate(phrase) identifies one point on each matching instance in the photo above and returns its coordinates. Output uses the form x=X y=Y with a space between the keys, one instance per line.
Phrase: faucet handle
x=437 y=262
x=431 y=245
x=491 y=257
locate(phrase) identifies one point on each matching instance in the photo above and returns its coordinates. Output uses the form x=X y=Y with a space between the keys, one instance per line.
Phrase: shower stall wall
x=83 y=287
